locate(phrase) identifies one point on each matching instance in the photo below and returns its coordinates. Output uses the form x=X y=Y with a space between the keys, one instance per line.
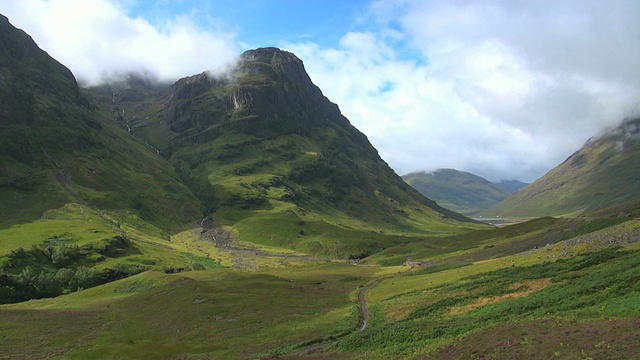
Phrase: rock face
x=604 y=172
x=184 y=94
x=291 y=95
x=267 y=84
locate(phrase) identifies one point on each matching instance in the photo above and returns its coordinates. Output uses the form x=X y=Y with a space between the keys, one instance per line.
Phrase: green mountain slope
x=275 y=160
x=82 y=202
x=79 y=216
x=92 y=191
x=56 y=147
x=603 y=173
x=456 y=190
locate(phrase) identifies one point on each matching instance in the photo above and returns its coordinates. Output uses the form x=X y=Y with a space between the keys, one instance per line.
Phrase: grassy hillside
x=82 y=201
x=481 y=295
x=273 y=159
x=215 y=313
x=457 y=190
x=513 y=307
x=56 y=147
x=94 y=184
x=605 y=172
x=242 y=217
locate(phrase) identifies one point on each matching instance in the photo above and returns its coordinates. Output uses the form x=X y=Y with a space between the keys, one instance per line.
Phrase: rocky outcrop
x=268 y=85
x=291 y=91
x=186 y=93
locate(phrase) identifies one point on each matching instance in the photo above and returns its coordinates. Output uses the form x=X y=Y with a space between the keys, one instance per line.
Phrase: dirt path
x=364 y=311
x=364 y=308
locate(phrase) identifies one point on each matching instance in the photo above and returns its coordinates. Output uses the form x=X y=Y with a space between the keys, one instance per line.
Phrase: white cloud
x=97 y=39
x=416 y=119
x=500 y=88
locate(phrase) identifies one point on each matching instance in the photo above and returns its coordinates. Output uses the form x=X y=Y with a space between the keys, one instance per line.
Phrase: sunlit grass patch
x=73 y=224
x=527 y=287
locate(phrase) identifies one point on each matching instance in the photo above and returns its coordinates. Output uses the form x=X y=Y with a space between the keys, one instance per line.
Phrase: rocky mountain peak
x=271 y=55
x=280 y=63
x=269 y=84
x=275 y=85
x=190 y=87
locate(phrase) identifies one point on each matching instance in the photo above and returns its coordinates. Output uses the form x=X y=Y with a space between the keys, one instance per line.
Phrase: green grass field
x=576 y=296
x=221 y=313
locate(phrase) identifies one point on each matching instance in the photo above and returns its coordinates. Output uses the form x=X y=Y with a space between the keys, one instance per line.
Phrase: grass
x=75 y=246
x=221 y=313
x=450 y=310
x=551 y=338
x=75 y=224
x=280 y=305
x=583 y=182
x=20 y=205
x=72 y=223
x=295 y=197
x=201 y=262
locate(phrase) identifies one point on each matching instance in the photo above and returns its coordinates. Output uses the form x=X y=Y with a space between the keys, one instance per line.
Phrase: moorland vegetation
x=242 y=216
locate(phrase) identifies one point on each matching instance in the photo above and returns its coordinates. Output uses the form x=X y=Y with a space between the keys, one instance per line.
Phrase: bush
x=30 y=284
x=62 y=255
x=52 y=269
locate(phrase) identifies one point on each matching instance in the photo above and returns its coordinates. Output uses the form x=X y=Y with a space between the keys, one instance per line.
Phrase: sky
x=505 y=89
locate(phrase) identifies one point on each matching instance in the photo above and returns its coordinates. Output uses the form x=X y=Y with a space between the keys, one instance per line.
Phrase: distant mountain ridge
x=511 y=185
x=603 y=173
x=459 y=191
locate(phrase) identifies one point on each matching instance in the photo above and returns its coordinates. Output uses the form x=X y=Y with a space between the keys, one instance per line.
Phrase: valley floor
x=576 y=297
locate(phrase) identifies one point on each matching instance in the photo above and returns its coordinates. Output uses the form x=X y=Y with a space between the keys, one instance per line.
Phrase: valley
x=463 y=287
x=241 y=216
x=461 y=191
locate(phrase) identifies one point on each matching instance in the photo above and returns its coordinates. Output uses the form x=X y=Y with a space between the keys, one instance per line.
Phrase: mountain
x=82 y=201
x=456 y=190
x=605 y=172
x=100 y=190
x=56 y=148
x=511 y=185
x=272 y=158
x=257 y=151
